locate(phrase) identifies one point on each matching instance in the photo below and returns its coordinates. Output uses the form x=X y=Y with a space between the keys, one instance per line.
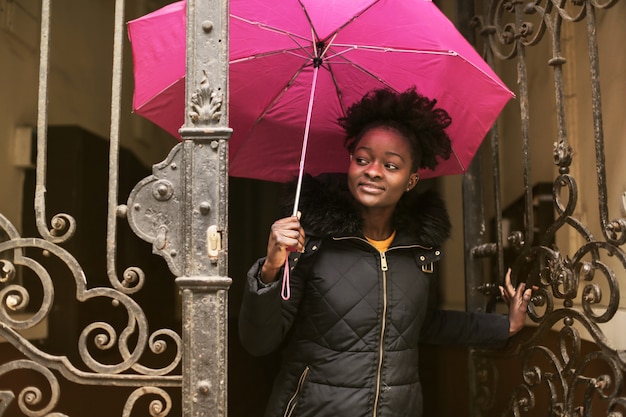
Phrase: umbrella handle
x=285 y=291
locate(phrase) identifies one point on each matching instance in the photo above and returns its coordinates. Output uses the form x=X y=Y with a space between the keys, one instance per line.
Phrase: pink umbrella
x=297 y=65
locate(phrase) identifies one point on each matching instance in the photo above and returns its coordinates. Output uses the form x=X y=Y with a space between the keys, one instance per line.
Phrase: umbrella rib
x=269 y=28
x=280 y=94
x=308 y=18
x=384 y=49
x=332 y=35
x=352 y=19
x=350 y=47
x=337 y=89
x=268 y=108
x=271 y=53
x=361 y=68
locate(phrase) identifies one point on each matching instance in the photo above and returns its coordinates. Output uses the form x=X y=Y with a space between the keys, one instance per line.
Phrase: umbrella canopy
x=285 y=55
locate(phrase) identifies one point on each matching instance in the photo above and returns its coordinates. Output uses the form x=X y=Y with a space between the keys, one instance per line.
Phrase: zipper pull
x=383 y=261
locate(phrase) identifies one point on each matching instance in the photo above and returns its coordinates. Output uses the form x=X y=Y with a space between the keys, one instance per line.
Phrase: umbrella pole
x=305 y=141
x=286 y=288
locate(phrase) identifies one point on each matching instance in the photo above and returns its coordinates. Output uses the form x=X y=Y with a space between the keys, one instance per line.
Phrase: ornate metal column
x=205 y=154
x=204 y=283
x=182 y=209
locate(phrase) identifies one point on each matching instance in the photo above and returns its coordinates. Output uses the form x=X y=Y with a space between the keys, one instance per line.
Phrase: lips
x=369 y=187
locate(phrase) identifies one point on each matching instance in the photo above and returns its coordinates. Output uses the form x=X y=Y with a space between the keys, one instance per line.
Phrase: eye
x=391 y=167
x=360 y=160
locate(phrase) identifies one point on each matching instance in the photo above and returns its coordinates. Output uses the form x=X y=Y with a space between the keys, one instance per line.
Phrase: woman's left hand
x=517 y=299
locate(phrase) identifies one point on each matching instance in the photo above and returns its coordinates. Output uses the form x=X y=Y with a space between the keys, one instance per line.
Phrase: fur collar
x=328 y=210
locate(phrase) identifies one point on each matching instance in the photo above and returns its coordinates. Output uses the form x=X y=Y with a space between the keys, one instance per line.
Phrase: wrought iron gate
x=564 y=365
x=181 y=209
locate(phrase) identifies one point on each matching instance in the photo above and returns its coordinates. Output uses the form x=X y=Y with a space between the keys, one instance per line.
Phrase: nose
x=373 y=170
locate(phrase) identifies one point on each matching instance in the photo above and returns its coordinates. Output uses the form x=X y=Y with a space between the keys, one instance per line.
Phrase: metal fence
x=565 y=365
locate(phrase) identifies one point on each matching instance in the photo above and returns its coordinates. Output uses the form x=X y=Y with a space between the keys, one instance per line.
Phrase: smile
x=371 y=188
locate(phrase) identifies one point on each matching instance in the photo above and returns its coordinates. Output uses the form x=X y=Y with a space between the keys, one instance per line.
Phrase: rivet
x=207 y=26
x=205 y=207
x=203 y=387
x=121 y=211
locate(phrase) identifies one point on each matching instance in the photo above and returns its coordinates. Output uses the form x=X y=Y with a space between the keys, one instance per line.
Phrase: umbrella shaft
x=305 y=142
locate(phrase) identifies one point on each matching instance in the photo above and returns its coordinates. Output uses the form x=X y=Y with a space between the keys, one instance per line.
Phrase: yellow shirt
x=382 y=245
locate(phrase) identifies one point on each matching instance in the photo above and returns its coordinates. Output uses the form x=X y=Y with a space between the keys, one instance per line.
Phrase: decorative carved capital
x=206 y=103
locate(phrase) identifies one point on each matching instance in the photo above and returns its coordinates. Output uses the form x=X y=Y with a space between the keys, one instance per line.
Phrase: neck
x=377 y=224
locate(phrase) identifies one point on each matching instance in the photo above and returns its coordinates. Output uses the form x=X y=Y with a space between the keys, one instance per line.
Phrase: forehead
x=385 y=139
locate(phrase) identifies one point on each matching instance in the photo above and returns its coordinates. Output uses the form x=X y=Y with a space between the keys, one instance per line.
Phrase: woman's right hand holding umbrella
x=286 y=235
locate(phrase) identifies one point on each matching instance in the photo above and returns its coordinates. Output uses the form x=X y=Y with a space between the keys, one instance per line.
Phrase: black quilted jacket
x=356 y=317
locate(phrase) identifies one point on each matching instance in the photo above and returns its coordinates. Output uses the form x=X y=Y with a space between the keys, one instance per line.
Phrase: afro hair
x=411 y=114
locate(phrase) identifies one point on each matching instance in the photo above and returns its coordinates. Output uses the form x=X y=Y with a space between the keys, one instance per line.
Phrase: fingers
x=526 y=295
x=507 y=282
x=507 y=292
x=285 y=235
x=518 y=300
x=504 y=294
x=520 y=296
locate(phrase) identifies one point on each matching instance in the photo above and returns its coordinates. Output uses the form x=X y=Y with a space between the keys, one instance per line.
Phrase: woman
x=361 y=259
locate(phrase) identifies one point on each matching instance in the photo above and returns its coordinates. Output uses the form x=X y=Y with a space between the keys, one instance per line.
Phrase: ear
x=413 y=179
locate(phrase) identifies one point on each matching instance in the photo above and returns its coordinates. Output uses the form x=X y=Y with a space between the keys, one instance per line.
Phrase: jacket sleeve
x=265 y=318
x=465 y=328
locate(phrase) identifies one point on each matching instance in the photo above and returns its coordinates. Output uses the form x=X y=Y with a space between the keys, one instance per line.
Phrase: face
x=380 y=169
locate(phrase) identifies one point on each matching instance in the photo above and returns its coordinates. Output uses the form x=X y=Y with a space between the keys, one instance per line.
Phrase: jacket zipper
x=383 y=326
x=381 y=348
x=291 y=405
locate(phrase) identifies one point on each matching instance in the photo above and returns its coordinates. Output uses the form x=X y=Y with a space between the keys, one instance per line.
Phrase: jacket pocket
x=293 y=401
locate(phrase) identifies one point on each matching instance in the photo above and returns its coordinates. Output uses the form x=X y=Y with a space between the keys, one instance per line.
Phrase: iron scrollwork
x=572 y=380
x=131 y=342
x=31 y=400
x=159 y=406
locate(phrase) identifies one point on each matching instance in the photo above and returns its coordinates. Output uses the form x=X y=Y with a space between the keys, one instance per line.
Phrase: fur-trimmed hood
x=328 y=209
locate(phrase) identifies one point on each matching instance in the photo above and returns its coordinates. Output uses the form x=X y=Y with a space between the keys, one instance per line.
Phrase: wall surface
x=81 y=39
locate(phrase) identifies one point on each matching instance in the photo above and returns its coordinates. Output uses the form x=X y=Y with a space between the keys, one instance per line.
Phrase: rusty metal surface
x=182 y=210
